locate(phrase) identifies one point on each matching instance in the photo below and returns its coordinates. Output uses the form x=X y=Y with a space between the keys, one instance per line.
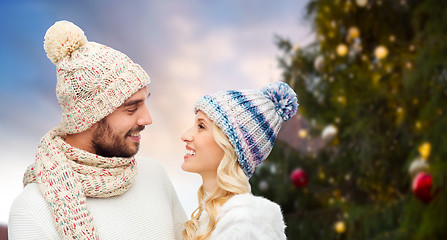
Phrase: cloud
x=188 y=49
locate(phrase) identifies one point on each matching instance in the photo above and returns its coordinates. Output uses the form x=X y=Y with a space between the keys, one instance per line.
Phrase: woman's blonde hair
x=231 y=180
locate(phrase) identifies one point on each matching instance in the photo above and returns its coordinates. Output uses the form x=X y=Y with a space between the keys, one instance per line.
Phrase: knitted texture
x=67 y=175
x=92 y=79
x=150 y=209
x=251 y=119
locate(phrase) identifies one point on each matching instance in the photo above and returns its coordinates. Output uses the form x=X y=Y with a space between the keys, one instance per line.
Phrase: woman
x=234 y=131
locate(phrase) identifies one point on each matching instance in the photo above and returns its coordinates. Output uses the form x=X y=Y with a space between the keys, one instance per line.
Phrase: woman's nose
x=187 y=137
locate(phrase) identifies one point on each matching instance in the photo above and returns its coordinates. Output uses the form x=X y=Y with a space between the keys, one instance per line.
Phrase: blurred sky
x=188 y=48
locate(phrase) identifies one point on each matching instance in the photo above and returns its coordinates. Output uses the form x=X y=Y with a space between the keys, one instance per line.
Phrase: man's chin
x=134 y=150
x=124 y=154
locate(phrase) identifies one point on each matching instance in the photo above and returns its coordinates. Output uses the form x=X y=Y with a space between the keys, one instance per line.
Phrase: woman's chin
x=186 y=168
x=189 y=169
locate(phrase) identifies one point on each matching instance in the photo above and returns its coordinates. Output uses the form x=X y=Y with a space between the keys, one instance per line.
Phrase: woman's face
x=203 y=154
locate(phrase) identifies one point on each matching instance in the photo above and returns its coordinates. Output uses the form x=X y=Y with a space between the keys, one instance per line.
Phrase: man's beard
x=108 y=144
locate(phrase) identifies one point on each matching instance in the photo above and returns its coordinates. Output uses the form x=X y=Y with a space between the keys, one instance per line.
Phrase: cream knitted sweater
x=150 y=209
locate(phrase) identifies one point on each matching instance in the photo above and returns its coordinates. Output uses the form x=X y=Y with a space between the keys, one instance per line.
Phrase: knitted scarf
x=67 y=175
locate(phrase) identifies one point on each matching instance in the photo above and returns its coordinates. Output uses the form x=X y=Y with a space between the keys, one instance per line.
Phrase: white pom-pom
x=62 y=39
x=319 y=63
x=418 y=165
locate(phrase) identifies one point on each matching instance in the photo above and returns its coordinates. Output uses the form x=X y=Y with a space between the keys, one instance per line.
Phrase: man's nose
x=145 y=117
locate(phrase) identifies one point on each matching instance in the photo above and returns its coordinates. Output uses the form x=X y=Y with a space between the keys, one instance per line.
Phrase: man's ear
x=83 y=139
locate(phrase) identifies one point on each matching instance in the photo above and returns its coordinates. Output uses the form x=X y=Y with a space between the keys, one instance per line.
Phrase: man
x=84 y=182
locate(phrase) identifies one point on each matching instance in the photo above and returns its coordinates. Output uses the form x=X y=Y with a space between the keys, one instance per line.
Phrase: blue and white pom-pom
x=283 y=97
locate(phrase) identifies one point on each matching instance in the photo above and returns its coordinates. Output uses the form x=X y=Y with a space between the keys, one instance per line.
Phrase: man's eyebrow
x=133 y=102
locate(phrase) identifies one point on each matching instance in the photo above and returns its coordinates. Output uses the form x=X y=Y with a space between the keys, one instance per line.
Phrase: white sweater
x=150 y=209
x=247 y=217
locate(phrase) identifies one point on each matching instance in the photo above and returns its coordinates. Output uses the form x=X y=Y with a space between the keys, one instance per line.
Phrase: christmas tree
x=370 y=161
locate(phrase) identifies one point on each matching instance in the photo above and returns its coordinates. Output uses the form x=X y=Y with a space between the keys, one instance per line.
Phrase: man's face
x=118 y=134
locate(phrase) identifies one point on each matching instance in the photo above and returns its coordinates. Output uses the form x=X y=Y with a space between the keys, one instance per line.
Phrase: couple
x=84 y=182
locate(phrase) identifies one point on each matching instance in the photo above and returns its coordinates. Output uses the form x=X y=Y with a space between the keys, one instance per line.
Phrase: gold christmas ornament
x=400 y=114
x=418 y=125
x=381 y=52
x=336 y=193
x=348 y=4
x=340 y=227
x=321 y=175
x=333 y=24
x=335 y=142
x=302 y=133
x=361 y=3
x=364 y=57
x=424 y=150
x=341 y=100
x=342 y=50
x=348 y=177
x=392 y=38
x=353 y=32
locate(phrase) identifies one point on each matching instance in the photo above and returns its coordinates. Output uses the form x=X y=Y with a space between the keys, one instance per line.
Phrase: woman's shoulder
x=251 y=216
x=249 y=202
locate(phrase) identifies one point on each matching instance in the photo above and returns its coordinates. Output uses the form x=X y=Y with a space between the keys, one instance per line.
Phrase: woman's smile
x=189 y=152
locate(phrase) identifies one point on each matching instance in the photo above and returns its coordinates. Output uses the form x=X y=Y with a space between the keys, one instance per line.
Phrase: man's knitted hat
x=251 y=119
x=92 y=79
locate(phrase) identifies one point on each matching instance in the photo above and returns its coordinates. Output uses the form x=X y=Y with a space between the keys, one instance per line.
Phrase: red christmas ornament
x=422 y=185
x=299 y=178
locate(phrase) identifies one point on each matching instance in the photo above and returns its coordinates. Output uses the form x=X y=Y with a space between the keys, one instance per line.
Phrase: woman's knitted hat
x=92 y=79
x=251 y=119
